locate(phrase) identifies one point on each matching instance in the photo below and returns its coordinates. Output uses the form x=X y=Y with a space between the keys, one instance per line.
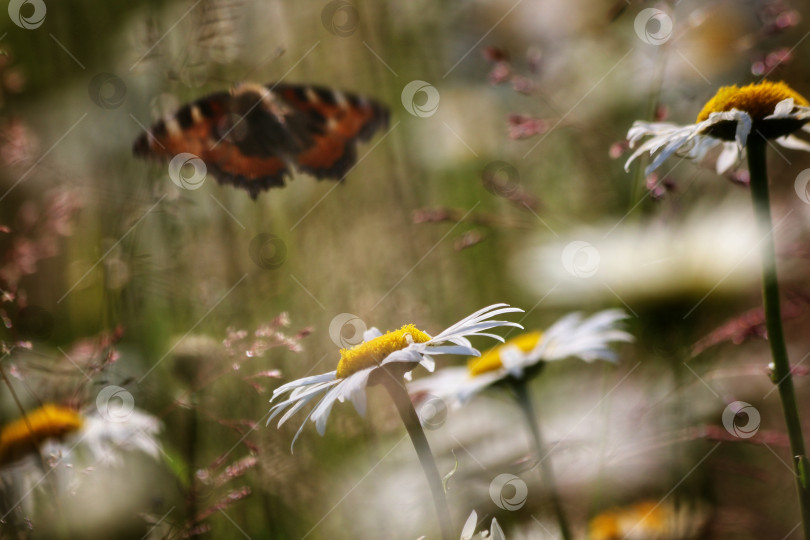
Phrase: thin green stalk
x=409 y=417
x=773 y=321
x=546 y=468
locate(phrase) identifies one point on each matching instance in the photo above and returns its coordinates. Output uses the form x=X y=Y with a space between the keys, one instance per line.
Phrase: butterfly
x=254 y=135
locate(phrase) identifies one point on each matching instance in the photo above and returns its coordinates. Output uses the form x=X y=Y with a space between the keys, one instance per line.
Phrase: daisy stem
x=781 y=375
x=409 y=417
x=524 y=399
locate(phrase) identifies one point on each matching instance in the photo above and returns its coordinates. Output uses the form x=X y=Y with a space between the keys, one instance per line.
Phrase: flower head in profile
x=521 y=357
x=393 y=354
x=57 y=431
x=649 y=519
x=772 y=110
x=53 y=451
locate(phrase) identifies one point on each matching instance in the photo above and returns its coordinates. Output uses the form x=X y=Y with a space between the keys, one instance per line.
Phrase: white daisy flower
x=770 y=109
x=57 y=431
x=523 y=356
x=393 y=354
x=61 y=444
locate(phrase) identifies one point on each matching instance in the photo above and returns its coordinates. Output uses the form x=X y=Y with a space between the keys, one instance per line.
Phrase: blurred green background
x=173 y=268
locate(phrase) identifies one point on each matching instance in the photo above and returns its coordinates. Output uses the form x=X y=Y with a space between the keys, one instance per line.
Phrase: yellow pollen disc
x=648 y=519
x=491 y=360
x=371 y=353
x=651 y=516
x=605 y=526
x=24 y=434
x=758 y=100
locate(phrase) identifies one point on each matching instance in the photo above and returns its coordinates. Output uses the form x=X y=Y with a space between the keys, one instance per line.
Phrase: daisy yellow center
x=758 y=100
x=605 y=526
x=653 y=516
x=646 y=518
x=23 y=434
x=374 y=351
x=491 y=360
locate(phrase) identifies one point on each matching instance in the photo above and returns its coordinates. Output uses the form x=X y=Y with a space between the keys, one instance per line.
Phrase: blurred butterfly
x=254 y=135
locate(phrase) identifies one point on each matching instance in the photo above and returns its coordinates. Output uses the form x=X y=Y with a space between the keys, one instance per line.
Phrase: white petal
x=469 y=527
x=306 y=381
x=371 y=333
x=300 y=401
x=409 y=354
x=513 y=360
x=673 y=145
x=794 y=143
x=495 y=532
x=727 y=157
x=454 y=349
x=783 y=108
x=355 y=389
x=743 y=129
x=589 y=339
x=428 y=363
x=320 y=414
x=482 y=314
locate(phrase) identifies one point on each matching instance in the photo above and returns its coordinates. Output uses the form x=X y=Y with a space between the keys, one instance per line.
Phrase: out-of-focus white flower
x=570 y=337
x=712 y=250
x=60 y=432
x=54 y=447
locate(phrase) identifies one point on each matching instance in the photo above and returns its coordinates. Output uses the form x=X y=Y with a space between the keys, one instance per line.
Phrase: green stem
x=409 y=417
x=773 y=321
x=547 y=470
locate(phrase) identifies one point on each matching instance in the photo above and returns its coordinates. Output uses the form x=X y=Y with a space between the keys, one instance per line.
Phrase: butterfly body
x=254 y=136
